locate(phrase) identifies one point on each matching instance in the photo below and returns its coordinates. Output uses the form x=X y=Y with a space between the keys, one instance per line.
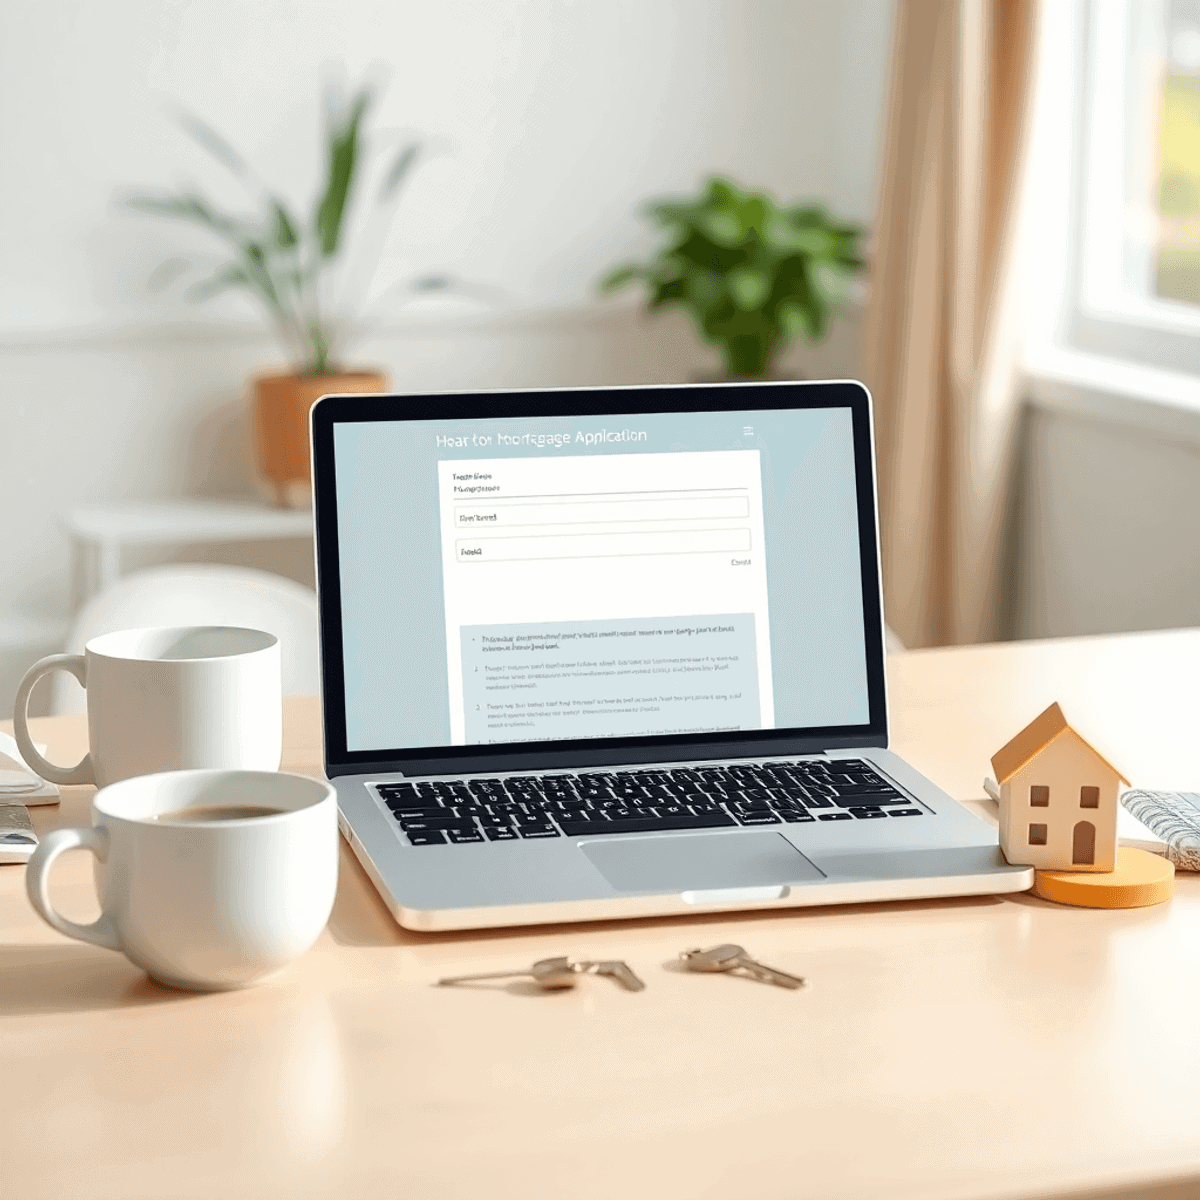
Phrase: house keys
x=733 y=958
x=557 y=974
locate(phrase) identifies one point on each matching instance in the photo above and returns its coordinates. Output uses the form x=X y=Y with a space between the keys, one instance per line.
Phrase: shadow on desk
x=74 y=979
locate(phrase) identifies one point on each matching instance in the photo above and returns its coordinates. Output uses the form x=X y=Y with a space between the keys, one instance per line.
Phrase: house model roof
x=1034 y=738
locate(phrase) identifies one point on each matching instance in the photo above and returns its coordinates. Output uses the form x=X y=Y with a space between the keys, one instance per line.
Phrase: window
x=1039 y=796
x=1137 y=194
x=1089 y=797
x=1177 y=258
x=1037 y=835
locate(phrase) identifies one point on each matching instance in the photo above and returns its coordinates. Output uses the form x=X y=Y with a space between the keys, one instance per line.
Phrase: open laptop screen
x=596 y=578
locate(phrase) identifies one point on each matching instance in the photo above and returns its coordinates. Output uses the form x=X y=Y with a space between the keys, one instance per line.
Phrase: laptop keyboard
x=437 y=812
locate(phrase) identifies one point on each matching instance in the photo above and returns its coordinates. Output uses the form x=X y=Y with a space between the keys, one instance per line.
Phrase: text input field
x=580 y=511
x=601 y=545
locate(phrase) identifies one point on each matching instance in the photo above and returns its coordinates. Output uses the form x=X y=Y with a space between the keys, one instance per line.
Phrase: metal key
x=619 y=971
x=728 y=957
x=555 y=974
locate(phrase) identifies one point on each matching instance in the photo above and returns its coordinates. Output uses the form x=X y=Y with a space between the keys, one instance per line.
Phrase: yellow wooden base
x=1140 y=878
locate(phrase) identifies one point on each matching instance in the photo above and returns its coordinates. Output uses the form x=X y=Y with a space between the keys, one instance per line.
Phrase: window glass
x=1177 y=249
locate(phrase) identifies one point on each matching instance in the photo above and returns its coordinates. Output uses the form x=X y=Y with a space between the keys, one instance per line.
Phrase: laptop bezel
x=336 y=409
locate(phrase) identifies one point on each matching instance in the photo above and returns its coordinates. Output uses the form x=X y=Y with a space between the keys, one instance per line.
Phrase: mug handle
x=82 y=771
x=37 y=880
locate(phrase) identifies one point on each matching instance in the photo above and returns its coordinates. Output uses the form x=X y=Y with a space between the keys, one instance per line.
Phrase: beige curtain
x=942 y=324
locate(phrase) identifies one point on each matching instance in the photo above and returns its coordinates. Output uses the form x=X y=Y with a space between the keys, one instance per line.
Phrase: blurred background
x=1021 y=183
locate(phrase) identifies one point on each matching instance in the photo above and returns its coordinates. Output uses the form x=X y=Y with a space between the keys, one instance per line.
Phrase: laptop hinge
x=611 y=756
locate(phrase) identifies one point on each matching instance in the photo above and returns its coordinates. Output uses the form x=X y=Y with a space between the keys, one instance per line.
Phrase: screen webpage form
x=521 y=579
x=611 y=595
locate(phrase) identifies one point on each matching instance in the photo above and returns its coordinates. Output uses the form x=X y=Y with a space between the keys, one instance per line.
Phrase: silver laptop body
x=617 y=652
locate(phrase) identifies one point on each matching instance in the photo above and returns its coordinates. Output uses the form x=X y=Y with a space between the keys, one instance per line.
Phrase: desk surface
x=957 y=1048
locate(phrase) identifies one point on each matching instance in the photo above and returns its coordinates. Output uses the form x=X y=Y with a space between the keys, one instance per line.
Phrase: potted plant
x=753 y=275
x=290 y=266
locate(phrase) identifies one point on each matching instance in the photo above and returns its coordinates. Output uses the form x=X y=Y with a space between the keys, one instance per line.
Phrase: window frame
x=1111 y=253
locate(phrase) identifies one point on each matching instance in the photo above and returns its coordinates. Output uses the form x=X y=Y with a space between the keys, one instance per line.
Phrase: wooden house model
x=1058 y=799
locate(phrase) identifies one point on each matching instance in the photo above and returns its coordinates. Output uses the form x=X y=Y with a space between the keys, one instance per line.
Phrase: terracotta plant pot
x=281 y=405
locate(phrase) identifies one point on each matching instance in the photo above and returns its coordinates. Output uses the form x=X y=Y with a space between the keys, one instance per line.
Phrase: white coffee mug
x=201 y=901
x=168 y=700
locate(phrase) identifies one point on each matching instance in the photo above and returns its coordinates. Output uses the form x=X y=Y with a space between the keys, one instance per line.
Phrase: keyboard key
x=756 y=793
x=794 y=816
x=870 y=799
x=757 y=818
x=501 y=833
x=487 y=787
x=425 y=837
x=646 y=824
x=904 y=812
x=396 y=789
x=835 y=816
x=741 y=804
x=863 y=789
x=464 y=835
x=411 y=803
x=538 y=831
x=867 y=814
x=847 y=766
x=425 y=823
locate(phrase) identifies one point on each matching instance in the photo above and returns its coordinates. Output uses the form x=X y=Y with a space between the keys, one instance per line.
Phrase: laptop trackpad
x=700 y=862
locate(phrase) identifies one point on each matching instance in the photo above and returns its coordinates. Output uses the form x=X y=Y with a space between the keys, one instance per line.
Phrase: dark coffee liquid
x=217 y=812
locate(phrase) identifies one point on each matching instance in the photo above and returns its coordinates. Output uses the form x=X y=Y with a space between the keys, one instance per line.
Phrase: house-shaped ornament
x=1058 y=799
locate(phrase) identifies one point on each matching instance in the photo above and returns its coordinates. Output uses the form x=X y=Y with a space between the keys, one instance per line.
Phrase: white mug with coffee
x=167 y=699
x=208 y=880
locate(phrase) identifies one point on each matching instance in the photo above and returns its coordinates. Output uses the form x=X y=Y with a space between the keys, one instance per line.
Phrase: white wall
x=547 y=124
x=1107 y=533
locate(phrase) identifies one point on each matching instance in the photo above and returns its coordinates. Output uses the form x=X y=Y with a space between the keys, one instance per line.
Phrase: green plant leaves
x=749 y=288
x=286 y=235
x=227 y=277
x=186 y=206
x=284 y=261
x=395 y=174
x=342 y=158
x=796 y=321
x=723 y=227
x=620 y=277
x=753 y=274
x=204 y=135
x=320 y=346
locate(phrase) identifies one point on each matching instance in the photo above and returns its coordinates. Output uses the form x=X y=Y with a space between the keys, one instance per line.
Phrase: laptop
x=592 y=653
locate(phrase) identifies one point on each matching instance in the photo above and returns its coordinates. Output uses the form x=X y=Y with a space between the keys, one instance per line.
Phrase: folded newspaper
x=1173 y=818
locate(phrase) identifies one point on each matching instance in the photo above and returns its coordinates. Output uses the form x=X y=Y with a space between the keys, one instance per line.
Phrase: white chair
x=203 y=594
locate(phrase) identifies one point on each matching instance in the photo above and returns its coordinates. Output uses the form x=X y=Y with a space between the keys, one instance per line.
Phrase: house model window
x=1039 y=796
x=1037 y=835
x=1089 y=797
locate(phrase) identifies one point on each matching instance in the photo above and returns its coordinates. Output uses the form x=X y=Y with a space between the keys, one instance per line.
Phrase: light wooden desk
x=954 y=1048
